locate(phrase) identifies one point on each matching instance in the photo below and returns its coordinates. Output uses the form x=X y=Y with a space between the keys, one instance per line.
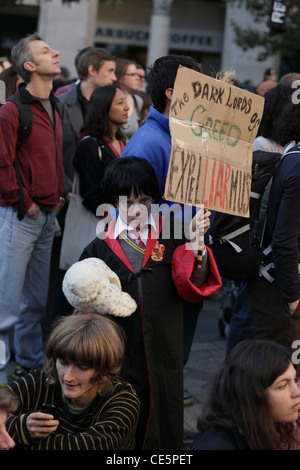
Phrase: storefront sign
x=138 y=35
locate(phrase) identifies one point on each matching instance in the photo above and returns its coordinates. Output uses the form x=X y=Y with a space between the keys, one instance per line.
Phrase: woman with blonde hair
x=92 y=408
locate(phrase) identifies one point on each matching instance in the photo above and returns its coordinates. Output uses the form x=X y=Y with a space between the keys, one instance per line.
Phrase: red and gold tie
x=137 y=238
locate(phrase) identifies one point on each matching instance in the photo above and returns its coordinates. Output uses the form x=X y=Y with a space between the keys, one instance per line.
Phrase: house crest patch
x=158 y=252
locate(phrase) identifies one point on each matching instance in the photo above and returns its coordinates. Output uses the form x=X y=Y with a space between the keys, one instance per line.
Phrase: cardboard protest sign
x=213 y=125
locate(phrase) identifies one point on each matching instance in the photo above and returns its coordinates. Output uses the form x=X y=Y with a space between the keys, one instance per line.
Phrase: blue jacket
x=283 y=226
x=152 y=141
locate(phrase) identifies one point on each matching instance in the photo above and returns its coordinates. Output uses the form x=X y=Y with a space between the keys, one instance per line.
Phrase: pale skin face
x=130 y=81
x=105 y=75
x=76 y=382
x=4 y=65
x=283 y=397
x=135 y=211
x=44 y=59
x=118 y=113
x=6 y=441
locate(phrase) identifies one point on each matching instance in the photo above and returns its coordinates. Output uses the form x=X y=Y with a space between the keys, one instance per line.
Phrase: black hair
x=162 y=76
x=275 y=100
x=287 y=125
x=124 y=175
x=97 y=123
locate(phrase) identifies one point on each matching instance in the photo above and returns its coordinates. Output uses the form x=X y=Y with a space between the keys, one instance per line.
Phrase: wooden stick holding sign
x=199 y=226
x=203 y=226
x=200 y=250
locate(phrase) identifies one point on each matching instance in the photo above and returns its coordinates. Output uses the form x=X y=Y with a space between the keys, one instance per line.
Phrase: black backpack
x=237 y=242
x=25 y=125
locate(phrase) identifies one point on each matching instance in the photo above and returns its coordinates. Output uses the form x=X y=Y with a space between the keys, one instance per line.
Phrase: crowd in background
x=114 y=378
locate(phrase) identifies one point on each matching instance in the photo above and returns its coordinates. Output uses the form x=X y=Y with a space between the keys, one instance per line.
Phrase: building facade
x=139 y=29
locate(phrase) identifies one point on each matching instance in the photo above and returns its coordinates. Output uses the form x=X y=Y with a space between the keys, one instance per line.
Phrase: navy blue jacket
x=219 y=438
x=283 y=226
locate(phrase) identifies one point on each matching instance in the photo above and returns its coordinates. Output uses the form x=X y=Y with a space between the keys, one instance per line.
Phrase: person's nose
x=55 y=53
x=296 y=390
x=6 y=442
x=134 y=210
x=69 y=373
x=137 y=209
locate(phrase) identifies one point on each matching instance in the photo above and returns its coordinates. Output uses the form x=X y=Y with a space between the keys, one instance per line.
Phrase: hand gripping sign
x=213 y=125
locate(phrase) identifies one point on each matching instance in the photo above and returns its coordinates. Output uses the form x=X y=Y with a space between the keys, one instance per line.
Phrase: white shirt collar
x=121 y=226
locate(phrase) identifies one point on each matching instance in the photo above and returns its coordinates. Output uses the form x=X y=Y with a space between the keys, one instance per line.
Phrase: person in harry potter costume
x=158 y=269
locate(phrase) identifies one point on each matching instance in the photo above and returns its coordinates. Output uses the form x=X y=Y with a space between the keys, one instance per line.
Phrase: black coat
x=220 y=438
x=90 y=168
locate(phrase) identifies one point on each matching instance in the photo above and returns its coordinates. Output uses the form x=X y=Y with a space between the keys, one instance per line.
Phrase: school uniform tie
x=137 y=238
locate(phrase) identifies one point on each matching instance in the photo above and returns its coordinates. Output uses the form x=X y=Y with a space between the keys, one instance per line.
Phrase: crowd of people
x=108 y=375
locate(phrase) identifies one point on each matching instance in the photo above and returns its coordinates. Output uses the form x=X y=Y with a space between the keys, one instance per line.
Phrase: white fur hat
x=91 y=286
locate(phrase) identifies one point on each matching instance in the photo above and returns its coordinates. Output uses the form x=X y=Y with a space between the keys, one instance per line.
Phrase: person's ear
x=169 y=93
x=91 y=70
x=29 y=66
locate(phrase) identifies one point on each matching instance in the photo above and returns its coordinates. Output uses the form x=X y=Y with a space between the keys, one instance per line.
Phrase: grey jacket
x=72 y=123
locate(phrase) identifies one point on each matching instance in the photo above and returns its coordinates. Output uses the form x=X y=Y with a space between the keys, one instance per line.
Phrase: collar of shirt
x=121 y=226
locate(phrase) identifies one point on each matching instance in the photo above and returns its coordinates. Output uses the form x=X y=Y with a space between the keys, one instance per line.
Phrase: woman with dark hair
x=102 y=143
x=254 y=401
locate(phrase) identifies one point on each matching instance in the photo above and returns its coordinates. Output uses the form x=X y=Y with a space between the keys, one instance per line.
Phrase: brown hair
x=91 y=340
x=122 y=65
x=95 y=56
x=8 y=400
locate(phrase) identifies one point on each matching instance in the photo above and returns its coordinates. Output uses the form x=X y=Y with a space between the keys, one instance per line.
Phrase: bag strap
x=100 y=153
x=290 y=148
x=25 y=125
x=75 y=183
x=99 y=148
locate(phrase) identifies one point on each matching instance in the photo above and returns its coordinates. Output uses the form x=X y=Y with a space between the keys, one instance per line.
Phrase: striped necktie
x=137 y=238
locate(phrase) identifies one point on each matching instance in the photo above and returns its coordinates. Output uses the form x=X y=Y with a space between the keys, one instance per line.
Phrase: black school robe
x=154 y=332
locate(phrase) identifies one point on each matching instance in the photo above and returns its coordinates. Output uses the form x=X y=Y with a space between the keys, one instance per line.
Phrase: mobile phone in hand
x=50 y=409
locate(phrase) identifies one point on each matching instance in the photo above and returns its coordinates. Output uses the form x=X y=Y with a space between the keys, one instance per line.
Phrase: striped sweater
x=108 y=423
